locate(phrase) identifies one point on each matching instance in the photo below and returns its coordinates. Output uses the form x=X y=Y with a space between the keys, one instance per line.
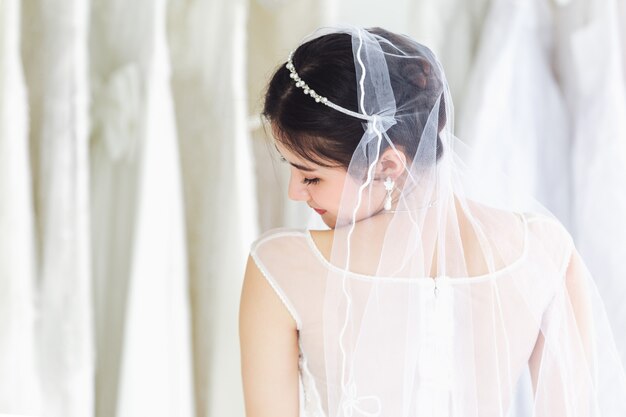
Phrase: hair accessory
x=320 y=99
x=301 y=84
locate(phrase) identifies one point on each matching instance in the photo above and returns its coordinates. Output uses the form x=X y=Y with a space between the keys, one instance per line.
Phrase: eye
x=308 y=181
x=282 y=159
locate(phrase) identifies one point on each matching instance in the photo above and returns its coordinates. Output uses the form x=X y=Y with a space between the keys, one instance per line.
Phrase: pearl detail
x=301 y=84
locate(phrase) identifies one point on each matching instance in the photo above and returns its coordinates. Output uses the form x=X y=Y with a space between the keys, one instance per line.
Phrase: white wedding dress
x=591 y=61
x=55 y=59
x=547 y=106
x=140 y=260
x=514 y=116
x=19 y=376
x=477 y=339
x=207 y=43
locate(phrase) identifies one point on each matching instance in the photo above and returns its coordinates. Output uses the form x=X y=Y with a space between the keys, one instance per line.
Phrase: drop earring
x=389 y=183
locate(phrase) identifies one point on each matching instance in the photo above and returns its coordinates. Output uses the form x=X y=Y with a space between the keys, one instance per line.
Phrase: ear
x=391 y=163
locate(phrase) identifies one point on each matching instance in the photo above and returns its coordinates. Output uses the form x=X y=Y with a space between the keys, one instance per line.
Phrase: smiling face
x=324 y=189
x=317 y=186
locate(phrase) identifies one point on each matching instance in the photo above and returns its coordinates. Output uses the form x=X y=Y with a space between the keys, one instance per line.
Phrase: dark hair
x=328 y=137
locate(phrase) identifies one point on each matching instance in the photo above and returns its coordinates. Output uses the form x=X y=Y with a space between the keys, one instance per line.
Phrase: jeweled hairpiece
x=320 y=99
x=301 y=84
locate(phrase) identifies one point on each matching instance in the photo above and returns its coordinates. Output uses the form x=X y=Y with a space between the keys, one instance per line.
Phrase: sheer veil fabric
x=461 y=298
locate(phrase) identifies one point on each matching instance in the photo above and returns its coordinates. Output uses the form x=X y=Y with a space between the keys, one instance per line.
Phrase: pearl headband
x=320 y=99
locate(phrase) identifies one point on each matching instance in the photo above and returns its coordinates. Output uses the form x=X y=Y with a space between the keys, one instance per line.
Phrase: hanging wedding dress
x=621 y=6
x=207 y=51
x=514 y=116
x=140 y=265
x=19 y=376
x=591 y=59
x=55 y=63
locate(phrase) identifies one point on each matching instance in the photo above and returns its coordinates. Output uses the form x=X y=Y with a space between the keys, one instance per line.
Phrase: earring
x=389 y=183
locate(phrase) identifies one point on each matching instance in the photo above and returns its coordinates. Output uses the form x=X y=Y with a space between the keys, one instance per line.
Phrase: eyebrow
x=300 y=167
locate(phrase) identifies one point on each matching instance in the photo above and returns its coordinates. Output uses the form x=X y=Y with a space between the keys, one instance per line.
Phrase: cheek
x=372 y=199
x=328 y=194
x=345 y=194
x=337 y=192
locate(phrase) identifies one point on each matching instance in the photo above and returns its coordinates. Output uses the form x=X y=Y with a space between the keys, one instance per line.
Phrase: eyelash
x=310 y=181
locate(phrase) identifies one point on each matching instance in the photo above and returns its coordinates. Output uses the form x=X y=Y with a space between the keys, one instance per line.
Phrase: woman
x=429 y=295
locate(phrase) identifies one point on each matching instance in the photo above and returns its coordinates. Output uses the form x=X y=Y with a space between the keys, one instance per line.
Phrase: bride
x=429 y=294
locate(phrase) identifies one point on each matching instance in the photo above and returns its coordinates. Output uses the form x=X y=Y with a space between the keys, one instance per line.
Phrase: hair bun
x=419 y=72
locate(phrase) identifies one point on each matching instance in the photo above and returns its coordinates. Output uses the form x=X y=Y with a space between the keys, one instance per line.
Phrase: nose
x=297 y=191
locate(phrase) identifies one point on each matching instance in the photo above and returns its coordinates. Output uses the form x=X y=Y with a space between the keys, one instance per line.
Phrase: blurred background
x=135 y=173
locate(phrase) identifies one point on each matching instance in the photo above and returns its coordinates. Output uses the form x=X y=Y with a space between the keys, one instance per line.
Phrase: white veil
x=444 y=297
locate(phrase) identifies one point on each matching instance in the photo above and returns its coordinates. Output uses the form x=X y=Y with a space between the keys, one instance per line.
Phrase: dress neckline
x=425 y=280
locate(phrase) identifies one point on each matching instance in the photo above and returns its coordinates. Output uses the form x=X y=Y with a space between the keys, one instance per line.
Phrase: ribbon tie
x=361 y=404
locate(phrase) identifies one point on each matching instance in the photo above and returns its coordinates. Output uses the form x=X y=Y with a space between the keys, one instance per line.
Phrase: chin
x=330 y=222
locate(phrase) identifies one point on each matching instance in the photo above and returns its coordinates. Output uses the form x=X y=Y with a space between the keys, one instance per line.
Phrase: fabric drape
x=55 y=60
x=145 y=364
x=134 y=173
x=19 y=376
x=207 y=43
x=525 y=140
x=560 y=130
x=591 y=63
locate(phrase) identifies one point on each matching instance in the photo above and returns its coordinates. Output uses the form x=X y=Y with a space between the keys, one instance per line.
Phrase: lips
x=319 y=211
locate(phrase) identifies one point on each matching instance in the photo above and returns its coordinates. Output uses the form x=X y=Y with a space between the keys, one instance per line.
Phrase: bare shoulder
x=495 y=222
x=538 y=231
x=323 y=239
x=260 y=300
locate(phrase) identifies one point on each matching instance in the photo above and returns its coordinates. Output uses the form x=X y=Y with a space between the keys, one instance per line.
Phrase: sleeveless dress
x=297 y=271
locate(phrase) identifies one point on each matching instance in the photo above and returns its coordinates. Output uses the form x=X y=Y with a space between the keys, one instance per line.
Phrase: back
x=471 y=339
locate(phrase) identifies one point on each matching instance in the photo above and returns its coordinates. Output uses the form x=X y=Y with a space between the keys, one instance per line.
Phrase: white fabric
x=621 y=10
x=19 y=376
x=207 y=41
x=591 y=62
x=122 y=190
x=296 y=269
x=570 y=150
x=156 y=373
x=270 y=39
x=143 y=309
x=514 y=116
x=452 y=29
x=396 y=327
x=55 y=61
